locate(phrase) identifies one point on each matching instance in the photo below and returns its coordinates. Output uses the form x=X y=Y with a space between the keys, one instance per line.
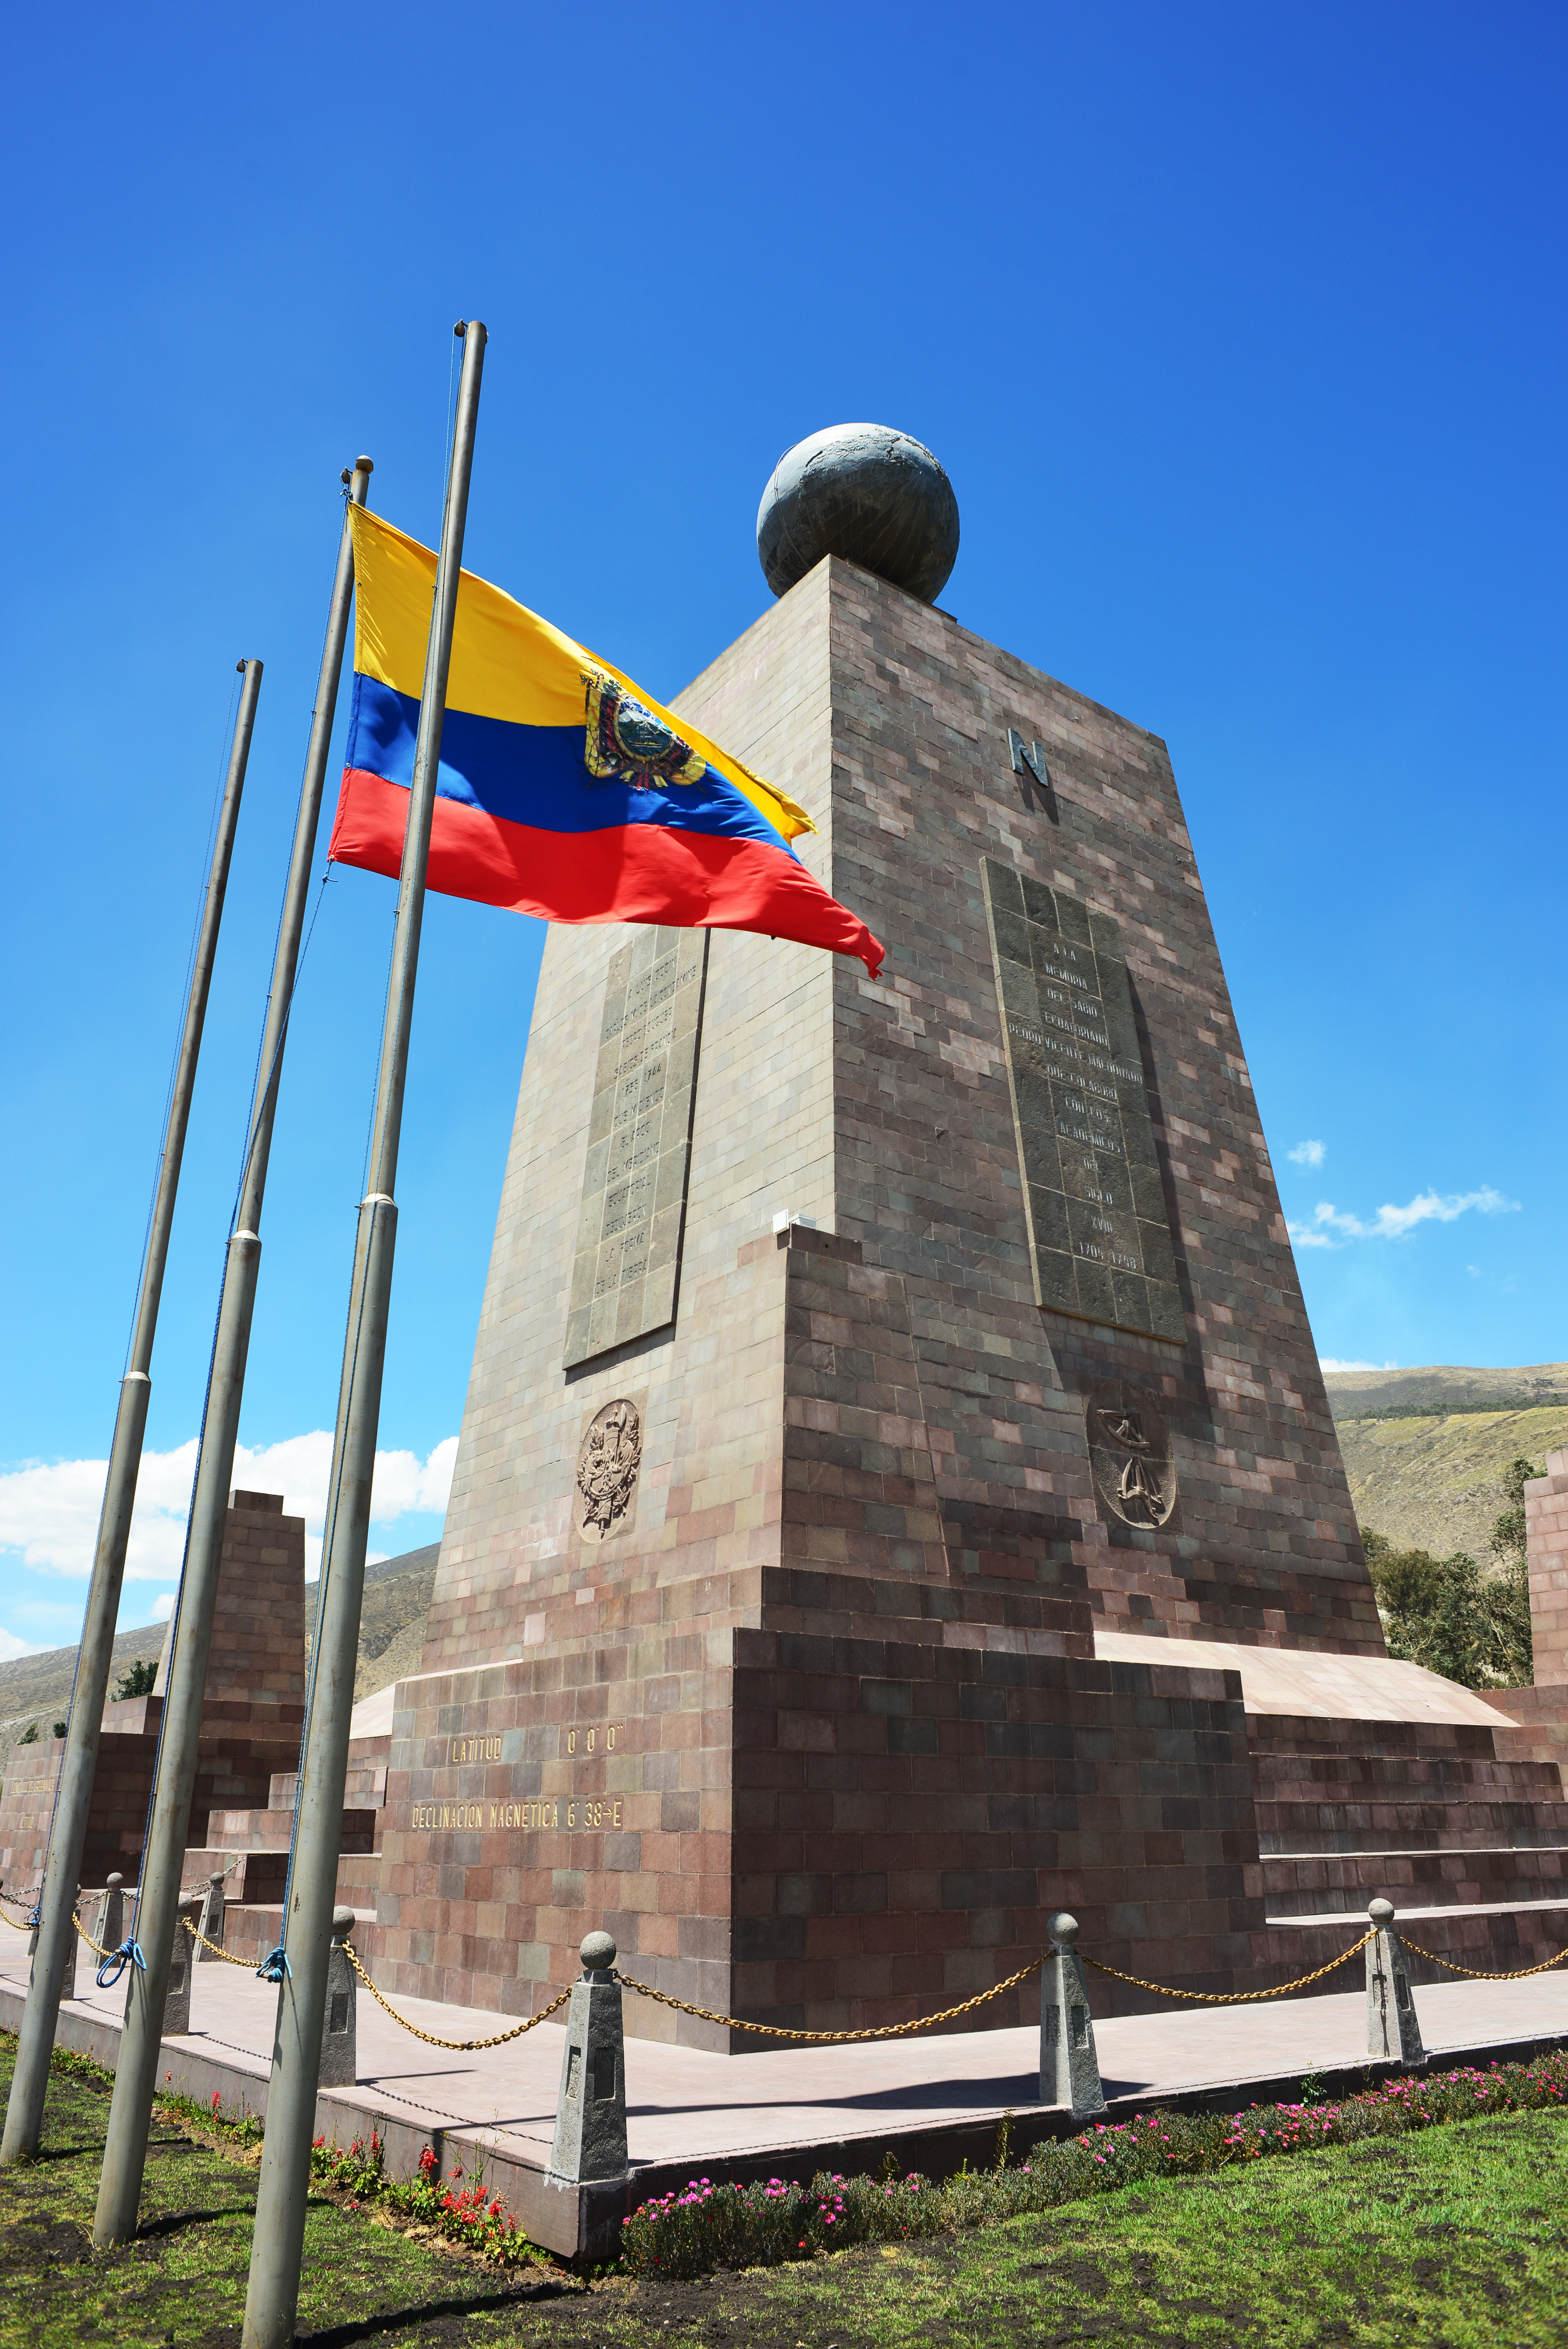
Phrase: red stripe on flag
x=635 y=873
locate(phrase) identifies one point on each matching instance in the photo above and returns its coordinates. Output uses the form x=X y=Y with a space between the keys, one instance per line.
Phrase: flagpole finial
x=460 y=329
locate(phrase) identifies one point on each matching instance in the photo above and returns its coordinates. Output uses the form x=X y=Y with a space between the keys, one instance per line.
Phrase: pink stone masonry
x=1546 y=1548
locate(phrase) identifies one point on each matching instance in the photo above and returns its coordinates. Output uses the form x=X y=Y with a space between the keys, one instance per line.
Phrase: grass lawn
x=1453 y=2236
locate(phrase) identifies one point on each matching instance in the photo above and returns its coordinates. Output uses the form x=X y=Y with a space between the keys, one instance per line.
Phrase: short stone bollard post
x=591 y=2118
x=339 y=2029
x=108 y=1930
x=177 y=1998
x=65 y=1987
x=1393 y=2031
x=1069 y=2066
x=211 y=1921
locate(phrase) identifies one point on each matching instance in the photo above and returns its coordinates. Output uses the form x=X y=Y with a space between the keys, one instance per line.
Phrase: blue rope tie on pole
x=127 y=1953
x=274 y=1968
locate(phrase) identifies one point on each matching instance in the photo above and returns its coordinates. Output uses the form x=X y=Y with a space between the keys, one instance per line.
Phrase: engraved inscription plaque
x=1098 y=1234
x=629 y=1230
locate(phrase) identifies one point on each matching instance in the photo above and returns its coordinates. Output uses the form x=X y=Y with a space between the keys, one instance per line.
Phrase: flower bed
x=706 y=2226
x=467 y=2214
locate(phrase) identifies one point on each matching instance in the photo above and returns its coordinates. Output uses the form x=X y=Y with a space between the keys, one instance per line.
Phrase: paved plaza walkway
x=684 y=2105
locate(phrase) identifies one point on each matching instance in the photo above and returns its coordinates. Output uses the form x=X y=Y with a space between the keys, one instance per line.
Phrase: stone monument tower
x=854 y=1356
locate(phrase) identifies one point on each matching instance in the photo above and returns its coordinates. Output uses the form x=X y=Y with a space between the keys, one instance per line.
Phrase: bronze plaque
x=1100 y=1239
x=607 y=1462
x=1129 y=1454
x=631 y=1219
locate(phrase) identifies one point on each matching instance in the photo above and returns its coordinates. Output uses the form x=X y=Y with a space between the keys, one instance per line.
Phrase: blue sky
x=1239 y=333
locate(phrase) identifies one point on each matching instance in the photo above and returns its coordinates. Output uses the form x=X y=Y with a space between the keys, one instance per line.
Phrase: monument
x=896 y=1499
x=851 y=1355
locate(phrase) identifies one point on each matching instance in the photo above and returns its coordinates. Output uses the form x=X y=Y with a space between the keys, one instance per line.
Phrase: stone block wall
x=1546 y=1548
x=847 y=1824
x=258 y=1621
x=1263 y=1544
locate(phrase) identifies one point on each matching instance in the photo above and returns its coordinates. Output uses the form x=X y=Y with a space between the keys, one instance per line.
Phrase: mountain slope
x=391 y=1640
x=1425 y=1449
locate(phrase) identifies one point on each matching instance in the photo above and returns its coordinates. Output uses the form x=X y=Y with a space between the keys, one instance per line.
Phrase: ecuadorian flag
x=563 y=790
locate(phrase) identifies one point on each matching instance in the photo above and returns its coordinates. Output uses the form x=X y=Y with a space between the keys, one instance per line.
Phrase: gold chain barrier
x=1228 y=1997
x=15 y=1901
x=833 y=2038
x=88 y=1937
x=1520 y=1974
x=462 y=2047
x=227 y=1955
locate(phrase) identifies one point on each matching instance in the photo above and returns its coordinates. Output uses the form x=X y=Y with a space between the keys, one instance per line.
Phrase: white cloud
x=1327 y=1362
x=11 y=1646
x=1307 y=1153
x=1329 y=1227
x=163 y=1607
x=49 y=1509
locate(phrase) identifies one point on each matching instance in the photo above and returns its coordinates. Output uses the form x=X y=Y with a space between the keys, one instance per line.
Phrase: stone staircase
x=1462 y=1825
x=251 y=1847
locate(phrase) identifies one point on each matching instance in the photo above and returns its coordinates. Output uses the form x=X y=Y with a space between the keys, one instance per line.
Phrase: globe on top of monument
x=870 y=495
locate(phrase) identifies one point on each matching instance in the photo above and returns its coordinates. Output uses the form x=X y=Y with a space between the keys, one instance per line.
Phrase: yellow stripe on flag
x=507 y=662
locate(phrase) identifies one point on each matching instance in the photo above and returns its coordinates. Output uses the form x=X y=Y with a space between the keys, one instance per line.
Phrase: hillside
x=392 y=1619
x=1425 y=1449
x=391 y=1640
x=38 y=1688
x=1360 y=1394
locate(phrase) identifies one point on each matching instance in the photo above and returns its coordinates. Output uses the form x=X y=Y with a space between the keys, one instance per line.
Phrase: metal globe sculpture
x=870 y=495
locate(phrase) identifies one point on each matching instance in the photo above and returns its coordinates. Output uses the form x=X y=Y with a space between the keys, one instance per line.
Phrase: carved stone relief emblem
x=1129 y=1454
x=607 y=1465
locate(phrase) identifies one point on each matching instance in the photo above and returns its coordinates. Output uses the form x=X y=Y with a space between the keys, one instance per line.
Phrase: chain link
x=1226 y=1998
x=463 y=2047
x=1521 y=1973
x=88 y=1937
x=227 y=1955
x=12 y=1921
x=833 y=2038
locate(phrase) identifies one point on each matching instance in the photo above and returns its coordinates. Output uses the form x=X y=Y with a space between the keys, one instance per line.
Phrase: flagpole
x=78 y=1764
x=273 y=2297
x=162 y=1860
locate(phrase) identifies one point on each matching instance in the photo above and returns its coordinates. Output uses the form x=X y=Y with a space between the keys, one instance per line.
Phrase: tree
x=136 y=1681
x=1508 y=1530
x=1444 y=1613
x=61 y=1728
x=29 y=1736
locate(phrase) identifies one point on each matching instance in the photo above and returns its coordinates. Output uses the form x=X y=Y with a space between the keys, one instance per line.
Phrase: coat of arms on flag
x=627 y=744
